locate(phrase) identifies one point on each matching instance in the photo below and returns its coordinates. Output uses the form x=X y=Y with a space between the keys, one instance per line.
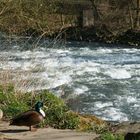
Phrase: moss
x=92 y=123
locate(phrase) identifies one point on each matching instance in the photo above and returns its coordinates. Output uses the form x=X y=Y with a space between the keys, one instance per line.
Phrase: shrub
x=110 y=136
x=11 y=102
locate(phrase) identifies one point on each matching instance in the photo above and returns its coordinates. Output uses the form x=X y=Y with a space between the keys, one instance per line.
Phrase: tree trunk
x=95 y=11
x=80 y=20
x=137 y=26
x=131 y=17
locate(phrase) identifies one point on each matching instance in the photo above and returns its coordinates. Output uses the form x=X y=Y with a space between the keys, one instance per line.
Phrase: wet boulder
x=132 y=136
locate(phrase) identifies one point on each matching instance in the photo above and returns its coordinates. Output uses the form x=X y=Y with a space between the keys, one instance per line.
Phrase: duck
x=30 y=118
x=1 y=114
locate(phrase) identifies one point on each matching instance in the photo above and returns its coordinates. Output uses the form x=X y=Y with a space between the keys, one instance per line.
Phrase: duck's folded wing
x=27 y=118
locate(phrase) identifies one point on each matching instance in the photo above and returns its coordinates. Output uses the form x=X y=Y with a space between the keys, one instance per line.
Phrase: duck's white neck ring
x=42 y=112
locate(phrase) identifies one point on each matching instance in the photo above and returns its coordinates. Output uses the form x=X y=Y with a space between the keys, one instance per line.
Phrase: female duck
x=1 y=114
x=29 y=118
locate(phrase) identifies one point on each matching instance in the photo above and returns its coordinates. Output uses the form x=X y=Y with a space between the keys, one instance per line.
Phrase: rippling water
x=101 y=80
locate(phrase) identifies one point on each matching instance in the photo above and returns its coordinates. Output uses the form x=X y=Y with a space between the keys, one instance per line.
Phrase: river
x=95 y=78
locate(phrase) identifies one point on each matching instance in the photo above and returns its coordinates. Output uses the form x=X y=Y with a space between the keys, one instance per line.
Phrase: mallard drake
x=30 y=117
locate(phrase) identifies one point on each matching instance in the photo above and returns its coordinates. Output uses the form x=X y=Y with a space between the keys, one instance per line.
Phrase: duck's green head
x=38 y=105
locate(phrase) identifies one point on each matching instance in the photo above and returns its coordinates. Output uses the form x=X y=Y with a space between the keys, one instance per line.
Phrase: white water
x=102 y=81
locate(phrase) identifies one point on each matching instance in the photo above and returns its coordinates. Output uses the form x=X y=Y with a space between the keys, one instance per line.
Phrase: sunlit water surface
x=94 y=78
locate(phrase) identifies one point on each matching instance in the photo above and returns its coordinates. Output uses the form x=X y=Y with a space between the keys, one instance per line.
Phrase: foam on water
x=100 y=104
x=115 y=113
x=118 y=73
x=80 y=90
x=104 y=50
x=107 y=111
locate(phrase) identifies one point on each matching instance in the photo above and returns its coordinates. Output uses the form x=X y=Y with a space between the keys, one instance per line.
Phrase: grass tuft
x=110 y=136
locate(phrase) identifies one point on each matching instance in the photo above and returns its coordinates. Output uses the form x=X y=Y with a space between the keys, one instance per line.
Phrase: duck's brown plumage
x=28 y=118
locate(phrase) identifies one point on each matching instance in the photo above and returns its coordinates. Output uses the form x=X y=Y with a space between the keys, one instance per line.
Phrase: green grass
x=110 y=136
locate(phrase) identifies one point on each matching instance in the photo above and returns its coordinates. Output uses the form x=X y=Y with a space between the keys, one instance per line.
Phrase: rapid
x=94 y=78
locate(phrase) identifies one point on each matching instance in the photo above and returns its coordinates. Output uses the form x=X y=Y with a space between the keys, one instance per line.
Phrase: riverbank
x=101 y=34
x=13 y=102
x=22 y=133
x=70 y=124
x=60 y=124
x=112 y=21
x=58 y=114
x=7 y=132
